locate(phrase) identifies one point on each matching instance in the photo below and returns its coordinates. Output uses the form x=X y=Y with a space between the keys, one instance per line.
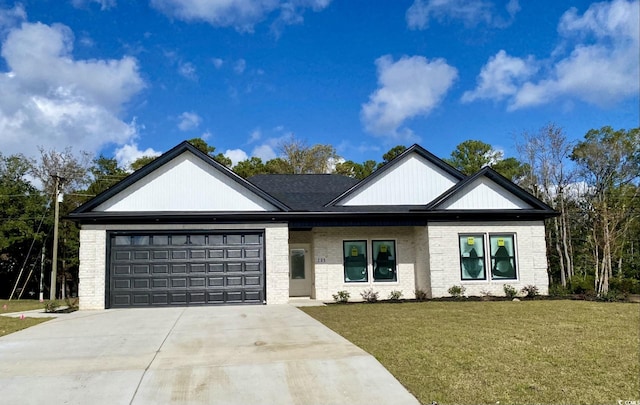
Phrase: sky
x=127 y=78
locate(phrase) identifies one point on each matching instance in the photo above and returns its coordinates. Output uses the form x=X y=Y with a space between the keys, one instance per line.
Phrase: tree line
x=593 y=244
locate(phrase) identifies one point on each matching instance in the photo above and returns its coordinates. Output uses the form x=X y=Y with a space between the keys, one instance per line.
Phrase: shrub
x=557 y=290
x=530 y=291
x=456 y=291
x=51 y=306
x=369 y=295
x=625 y=285
x=611 y=296
x=421 y=295
x=510 y=291
x=395 y=295
x=72 y=303
x=341 y=297
x=582 y=285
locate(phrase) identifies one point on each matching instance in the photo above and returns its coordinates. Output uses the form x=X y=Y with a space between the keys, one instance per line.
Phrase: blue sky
x=127 y=78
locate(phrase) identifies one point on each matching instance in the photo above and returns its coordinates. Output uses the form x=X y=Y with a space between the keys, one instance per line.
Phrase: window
x=355 y=261
x=384 y=260
x=500 y=249
x=472 y=257
x=503 y=257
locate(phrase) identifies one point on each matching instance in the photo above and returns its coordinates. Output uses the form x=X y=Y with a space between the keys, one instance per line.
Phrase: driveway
x=199 y=355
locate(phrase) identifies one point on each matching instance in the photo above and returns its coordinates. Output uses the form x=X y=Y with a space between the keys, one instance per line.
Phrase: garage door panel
x=141 y=269
x=120 y=255
x=186 y=269
x=178 y=282
x=159 y=283
x=141 y=283
x=160 y=269
x=179 y=268
x=179 y=254
x=198 y=254
x=160 y=254
x=198 y=268
x=141 y=255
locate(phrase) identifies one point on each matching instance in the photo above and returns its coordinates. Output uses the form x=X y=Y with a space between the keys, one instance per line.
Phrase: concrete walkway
x=196 y=355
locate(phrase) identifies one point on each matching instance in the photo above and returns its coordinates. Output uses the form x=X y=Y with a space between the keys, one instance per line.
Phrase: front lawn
x=548 y=352
x=10 y=325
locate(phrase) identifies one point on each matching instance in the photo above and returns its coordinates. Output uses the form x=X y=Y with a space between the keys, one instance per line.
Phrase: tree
x=356 y=170
x=393 y=153
x=23 y=223
x=302 y=159
x=142 y=161
x=608 y=163
x=60 y=172
x=105 y=173
x=547 y=175
x=470 y=156
x=249 y=167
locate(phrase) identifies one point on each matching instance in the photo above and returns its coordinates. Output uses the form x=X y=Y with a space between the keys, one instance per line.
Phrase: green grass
x=542 y=352
x=10 y=325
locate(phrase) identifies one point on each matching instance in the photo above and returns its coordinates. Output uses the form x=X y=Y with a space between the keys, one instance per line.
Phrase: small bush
x=369 y=295
x=421 y=295
x=530 y=291
x=557 y=290
x=72 y=303
x=395 y=295
x=510 y=291
x=611 y=296
x=625 y=285
x=582 y=285
x=341 y=297
x=51 y=306
x=456 y=291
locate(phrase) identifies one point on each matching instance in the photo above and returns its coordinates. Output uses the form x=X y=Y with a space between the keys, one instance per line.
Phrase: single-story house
x=185 y=230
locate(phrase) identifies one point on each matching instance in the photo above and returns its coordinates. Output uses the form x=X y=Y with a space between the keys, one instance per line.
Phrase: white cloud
x=11 y=17
x=217 y=62
x=129 y=153
x=187 y=70
x=500 y=77
x=242 y=15
x=104 y=4
x=469 y=12
x=596 y=62
x=255 y=135
x=236 y=155
x=240 y=66
x=49 y=99
x=408 y=88
x=189 y=121
x=264 y=152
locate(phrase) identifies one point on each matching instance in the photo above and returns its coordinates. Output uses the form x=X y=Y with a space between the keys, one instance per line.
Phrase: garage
x=185 y=268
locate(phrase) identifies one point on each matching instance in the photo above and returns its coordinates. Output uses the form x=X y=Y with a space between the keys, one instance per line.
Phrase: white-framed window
x=484 y=255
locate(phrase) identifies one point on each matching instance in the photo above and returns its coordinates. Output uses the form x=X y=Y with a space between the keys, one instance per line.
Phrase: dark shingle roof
x=303 y=192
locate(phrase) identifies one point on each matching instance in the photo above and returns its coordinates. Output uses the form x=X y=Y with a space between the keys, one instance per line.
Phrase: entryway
x=300 y=277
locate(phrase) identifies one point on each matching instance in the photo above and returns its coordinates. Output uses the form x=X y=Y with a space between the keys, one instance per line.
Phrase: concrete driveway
x=197 y=355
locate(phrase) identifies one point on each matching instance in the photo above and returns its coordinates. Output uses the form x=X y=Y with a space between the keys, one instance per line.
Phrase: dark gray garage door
x=185 y=269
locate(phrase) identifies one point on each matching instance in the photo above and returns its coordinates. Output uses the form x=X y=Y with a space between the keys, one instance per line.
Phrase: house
x=185 y=230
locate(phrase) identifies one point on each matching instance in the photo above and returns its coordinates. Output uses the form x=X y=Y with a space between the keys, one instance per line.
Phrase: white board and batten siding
x=483 y=194
x=186 y=183
x=414 y=181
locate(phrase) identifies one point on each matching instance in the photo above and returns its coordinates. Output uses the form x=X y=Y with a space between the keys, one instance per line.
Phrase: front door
x=299 y=271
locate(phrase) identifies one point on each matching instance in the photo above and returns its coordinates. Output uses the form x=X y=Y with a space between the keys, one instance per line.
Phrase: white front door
x=299 y=271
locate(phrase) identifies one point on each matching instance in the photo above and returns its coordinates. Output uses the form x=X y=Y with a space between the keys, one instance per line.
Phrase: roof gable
x=487 y=190
x=184 y=179
x=416 y=177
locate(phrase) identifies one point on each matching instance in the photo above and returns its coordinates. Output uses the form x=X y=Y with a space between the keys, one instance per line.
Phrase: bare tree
x=547 y=153
x=303 y=159
x=60 y=172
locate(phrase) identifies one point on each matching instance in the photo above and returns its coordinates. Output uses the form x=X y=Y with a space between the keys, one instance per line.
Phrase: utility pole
x=42 y=275
x=54 y=263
